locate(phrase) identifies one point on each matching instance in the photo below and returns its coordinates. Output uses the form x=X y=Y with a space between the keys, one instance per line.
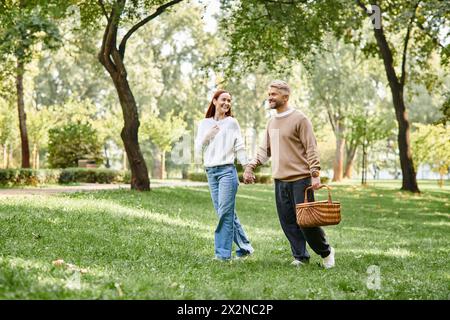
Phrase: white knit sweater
x=226 y=145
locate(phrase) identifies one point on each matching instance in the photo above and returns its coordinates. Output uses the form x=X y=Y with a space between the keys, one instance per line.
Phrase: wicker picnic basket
x=318 y=213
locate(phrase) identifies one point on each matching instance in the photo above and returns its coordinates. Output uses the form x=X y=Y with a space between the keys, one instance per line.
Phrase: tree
x=73 y=142
x=6 y=131
x=112 y=56
x=40 y=122
x=341 y=86
x=178 y=69
x=364 y=130
x=404 y=32
x=445 y=109
x=163 y=133
x=431 y=146
x=23 y=25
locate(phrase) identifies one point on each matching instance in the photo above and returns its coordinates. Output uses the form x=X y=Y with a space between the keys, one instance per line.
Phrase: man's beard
x=276 y=105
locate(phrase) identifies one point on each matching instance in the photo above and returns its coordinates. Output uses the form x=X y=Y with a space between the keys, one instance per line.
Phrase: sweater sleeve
x=263 y=154
x=239 y=147
x=200 y=138
x=308 y=140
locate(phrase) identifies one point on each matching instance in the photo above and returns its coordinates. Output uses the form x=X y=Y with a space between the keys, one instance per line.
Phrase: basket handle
x=320 y=187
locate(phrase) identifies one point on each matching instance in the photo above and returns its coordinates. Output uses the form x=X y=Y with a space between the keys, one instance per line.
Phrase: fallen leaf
x=58 y=263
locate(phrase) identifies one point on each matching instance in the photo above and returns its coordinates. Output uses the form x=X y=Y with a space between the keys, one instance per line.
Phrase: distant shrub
x=73 y=142
x=30 y=177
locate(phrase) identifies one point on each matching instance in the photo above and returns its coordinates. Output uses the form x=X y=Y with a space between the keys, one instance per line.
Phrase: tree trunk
x=184 y=173
x=129 y=134
x=157 y=168
x=10 y=161
x=107 y=164
x=112 y=58
x=22 y=116
x=5 y=156
x=338 y=164
x=349 y=162
x=38 y=159
x=113 y=61
x=408 y=173
x=33 y=156
x=163 y=165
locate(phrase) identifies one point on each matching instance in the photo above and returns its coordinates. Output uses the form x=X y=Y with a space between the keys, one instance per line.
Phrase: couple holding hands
x=290 y=142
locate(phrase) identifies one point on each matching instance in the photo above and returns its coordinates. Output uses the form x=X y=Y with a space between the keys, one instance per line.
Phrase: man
x=290 y=141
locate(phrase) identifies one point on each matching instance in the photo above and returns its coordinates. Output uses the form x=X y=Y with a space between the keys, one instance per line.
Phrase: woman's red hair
x=212 y=108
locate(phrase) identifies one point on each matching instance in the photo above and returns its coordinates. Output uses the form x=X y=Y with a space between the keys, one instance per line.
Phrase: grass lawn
x=159 y=245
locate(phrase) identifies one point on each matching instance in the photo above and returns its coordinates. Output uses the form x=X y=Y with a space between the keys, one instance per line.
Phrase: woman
x=220 y=139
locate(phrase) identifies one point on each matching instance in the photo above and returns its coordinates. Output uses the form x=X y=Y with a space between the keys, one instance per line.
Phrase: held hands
x=249 y=177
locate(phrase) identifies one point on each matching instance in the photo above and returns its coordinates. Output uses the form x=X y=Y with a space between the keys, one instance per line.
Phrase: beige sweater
x=291 y=143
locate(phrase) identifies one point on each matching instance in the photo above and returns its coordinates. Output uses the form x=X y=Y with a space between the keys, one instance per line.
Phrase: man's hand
x=249 y=177
x=315 y=182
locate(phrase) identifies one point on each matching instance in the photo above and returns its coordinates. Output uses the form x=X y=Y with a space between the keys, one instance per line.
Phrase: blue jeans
x=223 y=184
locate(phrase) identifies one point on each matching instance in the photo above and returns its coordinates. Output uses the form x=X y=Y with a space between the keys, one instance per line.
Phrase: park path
x=85 y=187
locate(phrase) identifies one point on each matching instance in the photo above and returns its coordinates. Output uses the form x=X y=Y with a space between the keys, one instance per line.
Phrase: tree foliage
x=163 y=132
x=431 y=145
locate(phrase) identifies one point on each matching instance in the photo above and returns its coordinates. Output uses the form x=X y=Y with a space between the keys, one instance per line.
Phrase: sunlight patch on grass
x=366 y=230
x=391 y=252
x=438 y=224
x=106 y=207
x=243 y=196
x=196 y=189
x=15 y=262
x=437 y=214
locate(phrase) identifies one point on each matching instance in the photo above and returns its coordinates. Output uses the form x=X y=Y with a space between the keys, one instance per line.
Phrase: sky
x=212 y=7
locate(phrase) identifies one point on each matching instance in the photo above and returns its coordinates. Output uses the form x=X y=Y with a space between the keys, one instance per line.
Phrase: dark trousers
x=288 y=194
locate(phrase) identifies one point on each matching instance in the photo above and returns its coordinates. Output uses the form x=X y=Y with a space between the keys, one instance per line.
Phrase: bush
x=93 y=176
x=27 y=177
x=197 y=176
x=324 y=180
x=73 y=142
x=16 y=177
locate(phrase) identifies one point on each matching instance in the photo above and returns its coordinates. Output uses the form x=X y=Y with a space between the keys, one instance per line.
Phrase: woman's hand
x=212 y=133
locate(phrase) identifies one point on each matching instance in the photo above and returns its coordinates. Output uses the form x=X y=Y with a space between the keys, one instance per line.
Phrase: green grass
x=159 y=245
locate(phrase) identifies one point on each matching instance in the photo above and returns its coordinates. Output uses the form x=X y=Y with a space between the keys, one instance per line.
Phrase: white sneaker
x=298 y=263
x=328 y=262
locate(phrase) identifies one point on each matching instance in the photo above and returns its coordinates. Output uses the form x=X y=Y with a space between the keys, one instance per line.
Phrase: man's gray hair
x=280 y=85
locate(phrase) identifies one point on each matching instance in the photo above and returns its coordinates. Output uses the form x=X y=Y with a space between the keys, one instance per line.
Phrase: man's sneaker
x=240 y=258
x=299 y=263
x=328 y=262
